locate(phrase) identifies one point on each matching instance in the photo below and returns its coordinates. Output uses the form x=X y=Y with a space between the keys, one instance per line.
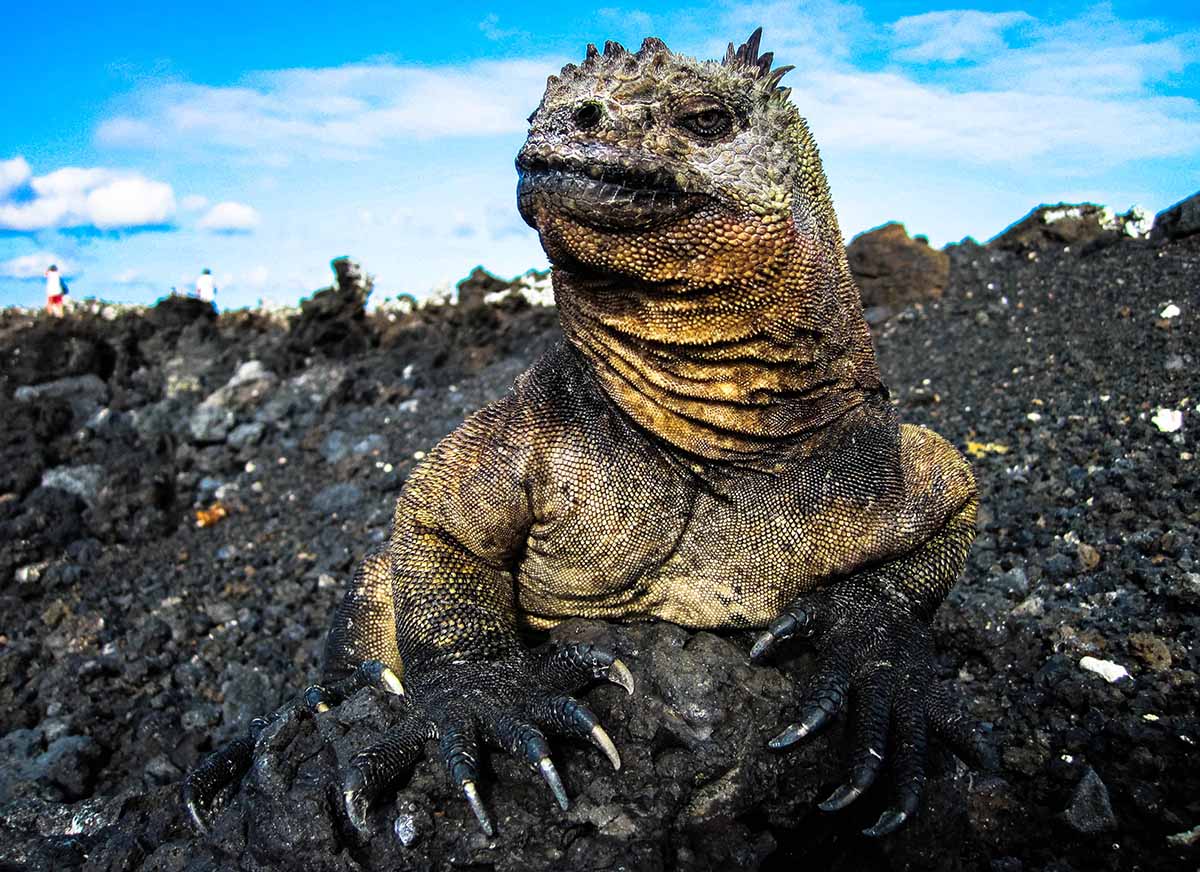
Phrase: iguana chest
x=630 y=536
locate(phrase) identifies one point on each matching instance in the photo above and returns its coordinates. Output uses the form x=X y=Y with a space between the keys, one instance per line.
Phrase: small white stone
x=1034 y=417
x=1106 y=669
x=1171 y=311
x=1167 y=420
x=1149 y=717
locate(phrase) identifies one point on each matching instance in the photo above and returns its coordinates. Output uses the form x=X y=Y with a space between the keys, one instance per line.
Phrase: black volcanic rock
x=477 y=285
x=333 y=321
x=1080 y=226
x=893 y=269
x=1177 y=221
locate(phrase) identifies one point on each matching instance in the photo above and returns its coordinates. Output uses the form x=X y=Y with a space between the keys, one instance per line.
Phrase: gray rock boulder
x=83 y=481
x=1178 y=221
x=86 y=394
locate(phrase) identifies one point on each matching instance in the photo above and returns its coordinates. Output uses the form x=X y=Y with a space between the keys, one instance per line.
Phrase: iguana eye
x=588 y=115
x=710 y=122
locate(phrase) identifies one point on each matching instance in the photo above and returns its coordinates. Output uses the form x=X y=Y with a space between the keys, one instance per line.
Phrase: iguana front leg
x=438 y=607
x=468 y=679
x=871 y=632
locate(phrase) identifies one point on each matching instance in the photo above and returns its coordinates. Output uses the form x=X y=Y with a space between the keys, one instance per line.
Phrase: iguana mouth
x=602 y=195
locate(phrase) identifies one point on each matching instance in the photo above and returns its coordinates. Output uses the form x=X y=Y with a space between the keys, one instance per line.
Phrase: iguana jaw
x=606 y=195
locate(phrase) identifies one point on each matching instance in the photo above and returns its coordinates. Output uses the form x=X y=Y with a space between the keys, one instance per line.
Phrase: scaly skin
x=712 y=446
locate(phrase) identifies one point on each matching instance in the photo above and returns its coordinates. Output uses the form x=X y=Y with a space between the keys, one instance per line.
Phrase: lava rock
x=333 y=321
x=893 y=270
x=86 y=394
x=177 y=312
x=83 y=481
x=210 y=423
x=478 y=285
x=1177 y=221
x=1081 y=226
x=337 y=498
x=1090 y=810
x=245 y=435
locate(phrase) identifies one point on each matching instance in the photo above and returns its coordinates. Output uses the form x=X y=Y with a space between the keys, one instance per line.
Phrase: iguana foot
x=205 y=788
x=878 y=649
x=511 y=703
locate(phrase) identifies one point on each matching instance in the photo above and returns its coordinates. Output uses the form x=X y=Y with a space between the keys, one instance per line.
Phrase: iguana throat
x=739 y=374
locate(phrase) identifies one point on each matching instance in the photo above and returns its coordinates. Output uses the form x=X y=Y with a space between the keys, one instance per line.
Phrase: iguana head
x=685 y=210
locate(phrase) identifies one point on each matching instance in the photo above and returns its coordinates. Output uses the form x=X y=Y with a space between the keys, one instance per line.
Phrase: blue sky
x=142 y=142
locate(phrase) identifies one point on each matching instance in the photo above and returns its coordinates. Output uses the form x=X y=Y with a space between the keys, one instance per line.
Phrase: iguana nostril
x=588 y=115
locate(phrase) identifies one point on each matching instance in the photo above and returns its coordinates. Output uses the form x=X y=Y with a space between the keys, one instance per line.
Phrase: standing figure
x=206 y=290
x=56 y=289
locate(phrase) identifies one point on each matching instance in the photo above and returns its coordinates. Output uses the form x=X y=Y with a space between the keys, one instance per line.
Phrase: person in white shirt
x=56 y=289
x=206 y=290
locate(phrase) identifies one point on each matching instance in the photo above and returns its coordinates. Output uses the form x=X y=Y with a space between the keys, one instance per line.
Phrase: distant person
x=56 y=289
x=206 y=290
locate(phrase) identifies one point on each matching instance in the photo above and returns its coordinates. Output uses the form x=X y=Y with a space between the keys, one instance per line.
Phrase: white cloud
x=230 y=217
x=130 y=202
x=991 y=127
x=1096 y=54
x=954 y=34
x=335 y=112
x=1063 y=96
x=86 y=197
x=34 y=266
x=14 y=174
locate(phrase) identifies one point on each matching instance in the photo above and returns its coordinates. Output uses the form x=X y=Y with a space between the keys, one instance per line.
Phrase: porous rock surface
x=191 y=591
x=893 y=269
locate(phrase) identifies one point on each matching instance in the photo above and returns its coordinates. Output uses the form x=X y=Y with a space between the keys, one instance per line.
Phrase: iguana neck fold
x=747 y=374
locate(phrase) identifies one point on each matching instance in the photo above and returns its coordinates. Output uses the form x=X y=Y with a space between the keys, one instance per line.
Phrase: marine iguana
x=712 y=445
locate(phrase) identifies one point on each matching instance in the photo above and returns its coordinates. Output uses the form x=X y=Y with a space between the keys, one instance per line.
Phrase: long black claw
x=602 y=741
x=375 y=769
x=481 y=815
x=797 y=619
x=354 y=798
x=618 y=673
x=573 y=666
x=890 y=821
x=460 y=753
x=824 y=703
x=813 y=720
x=370 y=673
x=841 y=798
x=550 y=775
x=572 y=717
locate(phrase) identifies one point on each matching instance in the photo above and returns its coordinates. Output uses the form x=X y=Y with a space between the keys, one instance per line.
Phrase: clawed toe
x=202 y=790
x=890 y=821
x=321 y=698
